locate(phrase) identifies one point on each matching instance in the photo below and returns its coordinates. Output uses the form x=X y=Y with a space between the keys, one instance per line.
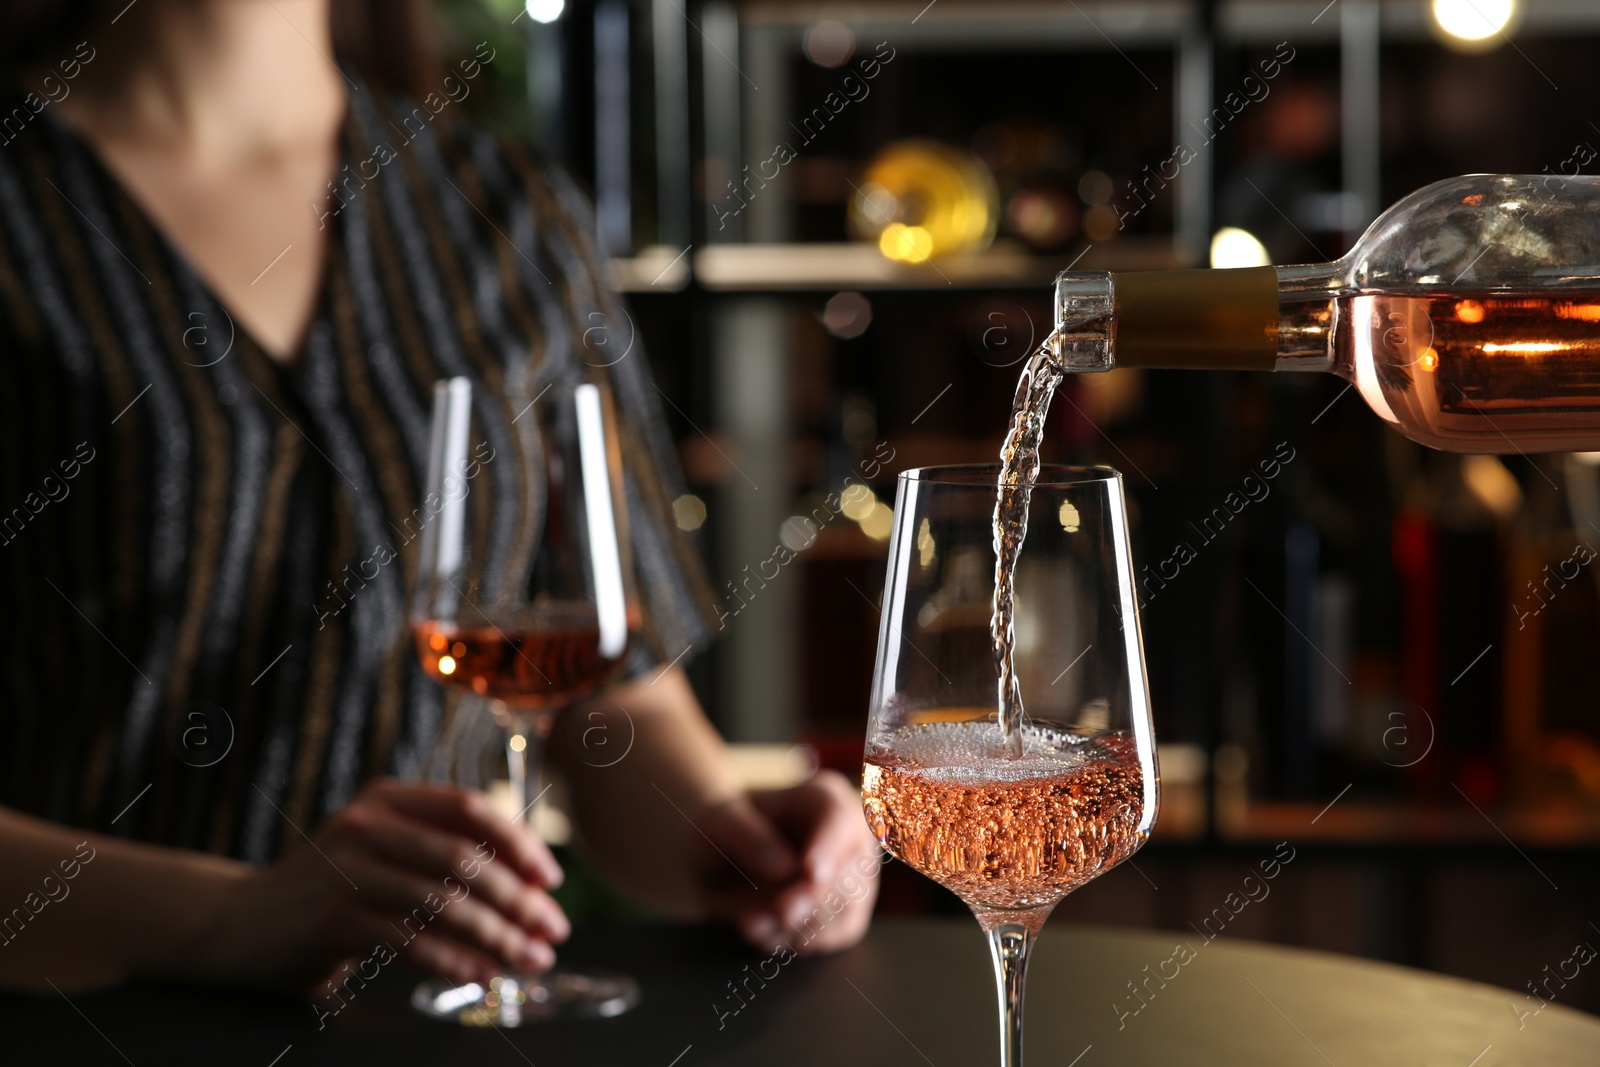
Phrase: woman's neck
x=225 y=83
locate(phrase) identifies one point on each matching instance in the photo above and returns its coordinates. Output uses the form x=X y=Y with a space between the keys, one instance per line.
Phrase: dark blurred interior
x=1366 y=662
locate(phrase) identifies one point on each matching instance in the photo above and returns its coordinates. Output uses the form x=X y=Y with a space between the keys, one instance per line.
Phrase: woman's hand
x=795 y=867
x=667 y=822
x=432 y=872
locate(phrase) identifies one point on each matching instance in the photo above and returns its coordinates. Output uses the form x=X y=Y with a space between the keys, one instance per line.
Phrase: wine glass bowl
x=533 y=661
x=525 y=598
x=943 y=788
x=533 y=605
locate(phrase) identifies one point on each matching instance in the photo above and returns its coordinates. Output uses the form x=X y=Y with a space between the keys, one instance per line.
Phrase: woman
x=235 y=254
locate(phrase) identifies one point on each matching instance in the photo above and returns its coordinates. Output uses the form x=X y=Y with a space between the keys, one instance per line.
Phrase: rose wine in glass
x=1011 y=817
x=529 y=664
x=532 y=615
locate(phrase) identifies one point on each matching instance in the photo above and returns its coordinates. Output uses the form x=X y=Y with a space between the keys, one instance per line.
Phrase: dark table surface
x=914 y=993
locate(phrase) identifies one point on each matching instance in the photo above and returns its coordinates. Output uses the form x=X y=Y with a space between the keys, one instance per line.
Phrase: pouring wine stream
x=1019 y=468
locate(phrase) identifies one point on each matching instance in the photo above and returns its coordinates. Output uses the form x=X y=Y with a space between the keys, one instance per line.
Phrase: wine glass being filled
x=1011 y=817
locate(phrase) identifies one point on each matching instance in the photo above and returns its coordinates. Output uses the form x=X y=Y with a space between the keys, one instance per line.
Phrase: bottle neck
x=1253 y=318
x=1308 y=315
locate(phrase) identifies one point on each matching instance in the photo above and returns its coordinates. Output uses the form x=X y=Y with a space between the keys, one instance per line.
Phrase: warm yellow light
x=1493 y=484
x=925 y=545
x=1101 y=223
x=798 y=533
x=1070 y=520
x=1473 y=20
x=1581 y=312
x=689 y=512
x=1428 y=359
x=438 y=642
x=857 y=502
x=1233 y=247
x=909 y=244
x=1469 y=311
x=447 y=665
x=517 y=743
x=1526 y=348
x=879 y=522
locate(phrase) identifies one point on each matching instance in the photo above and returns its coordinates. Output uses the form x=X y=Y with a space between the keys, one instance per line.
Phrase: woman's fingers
x=471 y=814
x=822 y=817
x=826 y=922
x=450 y=959
x=421 y=905
x=749 y=850
x=828 y=904
x=447 y=857
x=808 y=920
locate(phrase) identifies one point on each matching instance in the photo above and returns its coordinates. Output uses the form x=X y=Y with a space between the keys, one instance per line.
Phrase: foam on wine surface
x=966 y=752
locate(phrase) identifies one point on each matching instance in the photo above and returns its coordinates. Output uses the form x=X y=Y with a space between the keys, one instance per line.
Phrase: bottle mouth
x=1083 y=296
x=1085 y=305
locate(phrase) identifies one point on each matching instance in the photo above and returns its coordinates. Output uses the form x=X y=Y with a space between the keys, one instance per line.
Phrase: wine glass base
x=521 y=1000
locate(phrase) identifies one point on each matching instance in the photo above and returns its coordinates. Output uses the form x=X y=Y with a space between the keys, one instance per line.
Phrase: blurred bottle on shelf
x=1320 y=680
x=1552 y=633
x=920 y=199
x=1306 y=659
x=1042 y=186
x=1043 y=215
x=1449 y=554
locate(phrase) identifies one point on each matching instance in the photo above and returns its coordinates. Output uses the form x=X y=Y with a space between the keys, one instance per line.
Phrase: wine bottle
x=919 y=199
x=1467 y=316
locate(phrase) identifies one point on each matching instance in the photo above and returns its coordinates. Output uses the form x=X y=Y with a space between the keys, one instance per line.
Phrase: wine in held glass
x=1010 y=816
x=528 y=603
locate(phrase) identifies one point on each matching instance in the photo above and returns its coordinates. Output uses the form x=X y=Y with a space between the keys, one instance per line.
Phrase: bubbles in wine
x=1005 y=832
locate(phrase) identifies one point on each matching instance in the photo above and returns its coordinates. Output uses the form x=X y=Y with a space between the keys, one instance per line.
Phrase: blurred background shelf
x=1362 y=608
x=828 y=267
x=1360 y=824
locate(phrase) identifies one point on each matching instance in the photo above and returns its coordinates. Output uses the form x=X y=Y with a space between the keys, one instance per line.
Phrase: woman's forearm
x=634 y=812
x=81 y=910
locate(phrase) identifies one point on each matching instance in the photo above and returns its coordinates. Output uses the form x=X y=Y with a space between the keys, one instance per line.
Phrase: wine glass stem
x=525 y=760
x=1009 y=943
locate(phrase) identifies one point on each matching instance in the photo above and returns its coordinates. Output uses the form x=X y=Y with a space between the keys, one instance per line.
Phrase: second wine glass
x=529 y=605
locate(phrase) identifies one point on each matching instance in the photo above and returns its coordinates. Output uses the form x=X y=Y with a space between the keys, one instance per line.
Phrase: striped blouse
x=178 y=511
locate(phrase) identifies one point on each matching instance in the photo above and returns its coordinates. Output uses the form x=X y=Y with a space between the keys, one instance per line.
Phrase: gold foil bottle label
x=1200 y=319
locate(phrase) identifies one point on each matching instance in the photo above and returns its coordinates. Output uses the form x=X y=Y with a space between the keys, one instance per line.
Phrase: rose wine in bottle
x=1467 y=316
